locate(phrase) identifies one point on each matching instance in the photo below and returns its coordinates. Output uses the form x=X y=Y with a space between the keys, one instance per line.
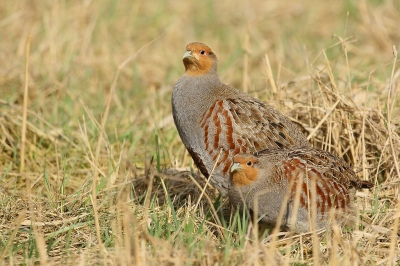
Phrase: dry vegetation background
x=105 y=179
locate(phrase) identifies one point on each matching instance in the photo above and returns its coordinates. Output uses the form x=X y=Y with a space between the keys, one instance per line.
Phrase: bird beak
x=235 y=166
x=187 y=54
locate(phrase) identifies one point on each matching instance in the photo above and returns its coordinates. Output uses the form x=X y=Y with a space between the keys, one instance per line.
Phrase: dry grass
x=100 y=77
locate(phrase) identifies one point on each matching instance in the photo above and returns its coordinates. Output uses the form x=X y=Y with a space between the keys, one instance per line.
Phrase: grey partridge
x=265 y=177
x=215 y=120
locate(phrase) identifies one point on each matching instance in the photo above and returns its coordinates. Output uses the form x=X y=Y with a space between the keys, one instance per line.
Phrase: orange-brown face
x=244 y=170
x=198 y=59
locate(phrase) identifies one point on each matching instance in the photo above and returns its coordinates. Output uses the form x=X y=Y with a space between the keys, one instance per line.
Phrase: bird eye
x=249 y=163
x=202 y=52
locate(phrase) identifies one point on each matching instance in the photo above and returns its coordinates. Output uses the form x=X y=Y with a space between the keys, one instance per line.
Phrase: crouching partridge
x=215 y=120
x=268 y=176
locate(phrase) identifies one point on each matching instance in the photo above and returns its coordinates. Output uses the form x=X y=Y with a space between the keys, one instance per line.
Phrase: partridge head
x=267 y=177
x=198 y=60
x=216 y=121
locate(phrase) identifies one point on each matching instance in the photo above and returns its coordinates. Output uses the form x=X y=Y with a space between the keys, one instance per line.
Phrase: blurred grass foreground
x=93 y=170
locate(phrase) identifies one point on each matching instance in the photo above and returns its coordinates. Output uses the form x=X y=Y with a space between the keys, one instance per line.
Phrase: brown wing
x=332 y=166
x=240 y=126
x=330 y=191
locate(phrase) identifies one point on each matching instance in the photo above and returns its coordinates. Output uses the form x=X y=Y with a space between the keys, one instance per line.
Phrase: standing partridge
x=215 y=120
x=268 y=176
